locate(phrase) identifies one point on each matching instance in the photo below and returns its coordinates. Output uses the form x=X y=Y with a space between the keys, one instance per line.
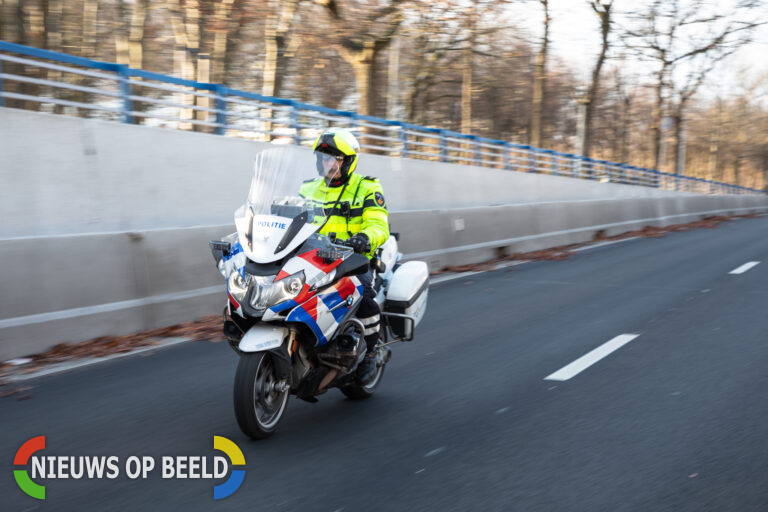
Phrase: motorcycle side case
x=407 y=294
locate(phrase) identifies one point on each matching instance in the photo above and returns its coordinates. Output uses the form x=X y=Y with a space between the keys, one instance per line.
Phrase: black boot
x=366 y=370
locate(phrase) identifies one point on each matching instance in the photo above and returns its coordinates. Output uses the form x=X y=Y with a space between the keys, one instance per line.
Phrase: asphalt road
x=676 y=419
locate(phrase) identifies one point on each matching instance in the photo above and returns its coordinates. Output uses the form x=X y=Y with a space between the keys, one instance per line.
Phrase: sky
x=575 y=37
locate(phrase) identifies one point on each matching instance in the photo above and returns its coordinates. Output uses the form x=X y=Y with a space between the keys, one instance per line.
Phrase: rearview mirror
x=355 y=265
x=219 y=249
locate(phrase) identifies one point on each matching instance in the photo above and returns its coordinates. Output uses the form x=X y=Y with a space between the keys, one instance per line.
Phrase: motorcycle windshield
x=284 y=204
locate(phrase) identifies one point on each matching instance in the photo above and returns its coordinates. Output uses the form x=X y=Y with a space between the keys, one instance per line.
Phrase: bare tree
x=278 y=27
x=539 y=80
x=437 y=51
x=375 y=29
x=129 y=36
x=691 y=38
x=603 y=11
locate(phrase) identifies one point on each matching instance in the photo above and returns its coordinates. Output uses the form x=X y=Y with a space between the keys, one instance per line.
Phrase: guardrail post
x=478 y=156
x=507 y=151
x=531 y=160
x=294 y=118
x=404 y=141
x=124 y=73
x=555 y=164
x=221 y=109
x=443 y=147
x=623 y=174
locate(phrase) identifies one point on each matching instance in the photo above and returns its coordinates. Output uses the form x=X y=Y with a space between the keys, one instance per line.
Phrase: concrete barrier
x=71 y=288
x=105 y=226
x=65 y=175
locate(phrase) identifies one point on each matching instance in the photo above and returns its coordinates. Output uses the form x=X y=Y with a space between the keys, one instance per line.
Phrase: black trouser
x=368 y=312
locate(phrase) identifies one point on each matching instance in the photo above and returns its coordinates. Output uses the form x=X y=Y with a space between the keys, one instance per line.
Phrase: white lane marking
x=420 y=471
x=744 y=267
x=435 y=451
x=591 y=358
x=502 y=410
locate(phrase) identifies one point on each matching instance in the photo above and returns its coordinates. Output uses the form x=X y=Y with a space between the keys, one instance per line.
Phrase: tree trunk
x=10 y=22
x=53 y=13
x=539 y=79
x=605 y=28
x=365 y=81
x=88 y=42
x=121 y=27
x=222 y=15
x=362 y=62
x=466 y=75
x=33 y=34
x=360 y=49
x=11 y=29
x=625 y=130
x=393 y=79
x=714 y=146
x=275 y=60
x=658 y=108
x=185 y=22
x=136 y=34
x=679 y=143
x=53 y=17
x=204 y=76
x=276 y=38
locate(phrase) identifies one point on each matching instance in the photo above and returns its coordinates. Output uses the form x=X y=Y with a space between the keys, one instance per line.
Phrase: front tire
x=260 y=396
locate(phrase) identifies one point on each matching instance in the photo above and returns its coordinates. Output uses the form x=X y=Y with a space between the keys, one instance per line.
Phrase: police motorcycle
x=292 y=295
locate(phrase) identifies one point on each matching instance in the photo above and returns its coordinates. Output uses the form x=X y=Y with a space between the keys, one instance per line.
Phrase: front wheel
x=260 y=396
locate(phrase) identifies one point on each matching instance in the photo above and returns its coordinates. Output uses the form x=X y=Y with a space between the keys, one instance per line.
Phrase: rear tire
x=260 y=397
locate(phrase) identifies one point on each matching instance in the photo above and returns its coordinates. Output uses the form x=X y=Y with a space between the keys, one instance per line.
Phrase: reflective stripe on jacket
x=360 y=208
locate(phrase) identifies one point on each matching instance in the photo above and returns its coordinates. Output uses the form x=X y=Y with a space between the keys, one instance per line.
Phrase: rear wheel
x=260 y=396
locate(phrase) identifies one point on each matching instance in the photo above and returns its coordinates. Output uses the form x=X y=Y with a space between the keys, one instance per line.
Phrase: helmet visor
x=330 y=165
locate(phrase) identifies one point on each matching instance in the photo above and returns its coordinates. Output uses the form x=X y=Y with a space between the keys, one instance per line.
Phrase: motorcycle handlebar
x=366 y=249
x=344 y=243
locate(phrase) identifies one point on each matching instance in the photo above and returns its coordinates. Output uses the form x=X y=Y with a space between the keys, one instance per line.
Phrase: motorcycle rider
x=357 y=213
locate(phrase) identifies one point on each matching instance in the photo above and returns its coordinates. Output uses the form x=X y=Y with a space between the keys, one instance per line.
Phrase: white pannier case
x=407 y=295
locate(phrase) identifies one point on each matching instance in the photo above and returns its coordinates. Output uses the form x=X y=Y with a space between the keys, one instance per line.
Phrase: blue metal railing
x=57 y=82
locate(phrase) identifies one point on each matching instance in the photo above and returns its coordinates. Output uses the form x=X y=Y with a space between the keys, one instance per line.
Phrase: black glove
x=360 y=243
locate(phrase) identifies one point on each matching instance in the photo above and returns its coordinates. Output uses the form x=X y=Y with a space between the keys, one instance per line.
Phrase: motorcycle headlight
x=267 y=293
x=237 y=286
x=261 y=291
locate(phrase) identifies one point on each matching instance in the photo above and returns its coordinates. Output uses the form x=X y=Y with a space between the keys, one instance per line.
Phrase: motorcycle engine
x=347 y=349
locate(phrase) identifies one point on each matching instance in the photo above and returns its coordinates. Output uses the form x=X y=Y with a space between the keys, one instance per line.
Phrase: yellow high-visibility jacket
x=361 y=208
